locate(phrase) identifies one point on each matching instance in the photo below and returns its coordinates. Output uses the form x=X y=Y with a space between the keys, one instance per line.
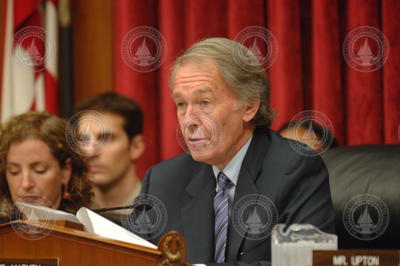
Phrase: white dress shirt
x=232 y=169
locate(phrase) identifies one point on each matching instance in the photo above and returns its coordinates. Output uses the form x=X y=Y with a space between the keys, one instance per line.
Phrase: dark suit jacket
x=298 y=185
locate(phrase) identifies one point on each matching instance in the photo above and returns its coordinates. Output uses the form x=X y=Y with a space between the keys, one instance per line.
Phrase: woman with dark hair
x=37 y=165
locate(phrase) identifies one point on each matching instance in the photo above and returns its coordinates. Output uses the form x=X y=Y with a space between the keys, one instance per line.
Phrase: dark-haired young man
x=110 y=129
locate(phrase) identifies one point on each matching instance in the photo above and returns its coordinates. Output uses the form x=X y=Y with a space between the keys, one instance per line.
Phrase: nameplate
x=29 y=262
x=356 y=257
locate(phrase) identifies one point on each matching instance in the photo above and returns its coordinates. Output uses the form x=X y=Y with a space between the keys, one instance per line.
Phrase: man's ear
x=136 y=147
x=66 y=172
x=250 y=110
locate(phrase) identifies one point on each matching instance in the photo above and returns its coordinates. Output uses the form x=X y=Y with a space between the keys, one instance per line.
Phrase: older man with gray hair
x=239 y=177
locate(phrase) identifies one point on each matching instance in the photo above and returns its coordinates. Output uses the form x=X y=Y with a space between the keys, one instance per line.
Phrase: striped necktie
x=221 y=201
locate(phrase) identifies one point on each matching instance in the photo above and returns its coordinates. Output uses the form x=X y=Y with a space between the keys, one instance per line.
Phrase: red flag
x=30 y=57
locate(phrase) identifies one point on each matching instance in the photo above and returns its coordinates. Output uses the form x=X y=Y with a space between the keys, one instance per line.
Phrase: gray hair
x=239 y=68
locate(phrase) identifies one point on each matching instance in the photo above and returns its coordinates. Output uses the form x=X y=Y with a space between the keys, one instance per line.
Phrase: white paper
x=96 y=224
x=92 y=222
x=34 y=213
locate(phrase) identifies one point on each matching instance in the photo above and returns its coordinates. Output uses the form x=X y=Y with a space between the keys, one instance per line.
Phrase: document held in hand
x=92 y=222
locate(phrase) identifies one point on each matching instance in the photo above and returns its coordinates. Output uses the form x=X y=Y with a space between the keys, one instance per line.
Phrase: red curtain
x=310 y=71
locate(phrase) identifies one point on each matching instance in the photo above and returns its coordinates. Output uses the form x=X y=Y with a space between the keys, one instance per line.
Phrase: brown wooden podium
x=73 y=247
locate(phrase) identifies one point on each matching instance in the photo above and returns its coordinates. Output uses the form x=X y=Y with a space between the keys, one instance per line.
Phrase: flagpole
x=66 y=92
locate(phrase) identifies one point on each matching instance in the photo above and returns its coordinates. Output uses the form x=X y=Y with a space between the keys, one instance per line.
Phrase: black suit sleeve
x=307 y=197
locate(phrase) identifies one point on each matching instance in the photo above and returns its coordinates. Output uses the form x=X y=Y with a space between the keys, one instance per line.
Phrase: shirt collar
x=232 y=169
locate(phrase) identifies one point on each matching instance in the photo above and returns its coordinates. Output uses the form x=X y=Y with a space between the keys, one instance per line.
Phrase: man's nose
x=192 y=116
x=91 y=148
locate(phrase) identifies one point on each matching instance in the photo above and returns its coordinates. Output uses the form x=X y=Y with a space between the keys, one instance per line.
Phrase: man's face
x=106 y=146
x=211 y=118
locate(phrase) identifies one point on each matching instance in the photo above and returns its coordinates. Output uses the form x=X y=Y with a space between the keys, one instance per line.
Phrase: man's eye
x=83 y=138
x=205 y=103
x=180 y=105
x=105 y=136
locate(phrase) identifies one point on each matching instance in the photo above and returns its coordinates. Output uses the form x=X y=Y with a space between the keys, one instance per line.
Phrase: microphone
x=118 y=208
x=123 y=207
x=114 y=208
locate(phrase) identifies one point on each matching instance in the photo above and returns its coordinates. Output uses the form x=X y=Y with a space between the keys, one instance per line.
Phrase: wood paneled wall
x=92 y=22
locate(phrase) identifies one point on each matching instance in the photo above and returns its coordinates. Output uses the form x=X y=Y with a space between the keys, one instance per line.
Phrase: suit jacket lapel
x=249 y=172
x=198 y=215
